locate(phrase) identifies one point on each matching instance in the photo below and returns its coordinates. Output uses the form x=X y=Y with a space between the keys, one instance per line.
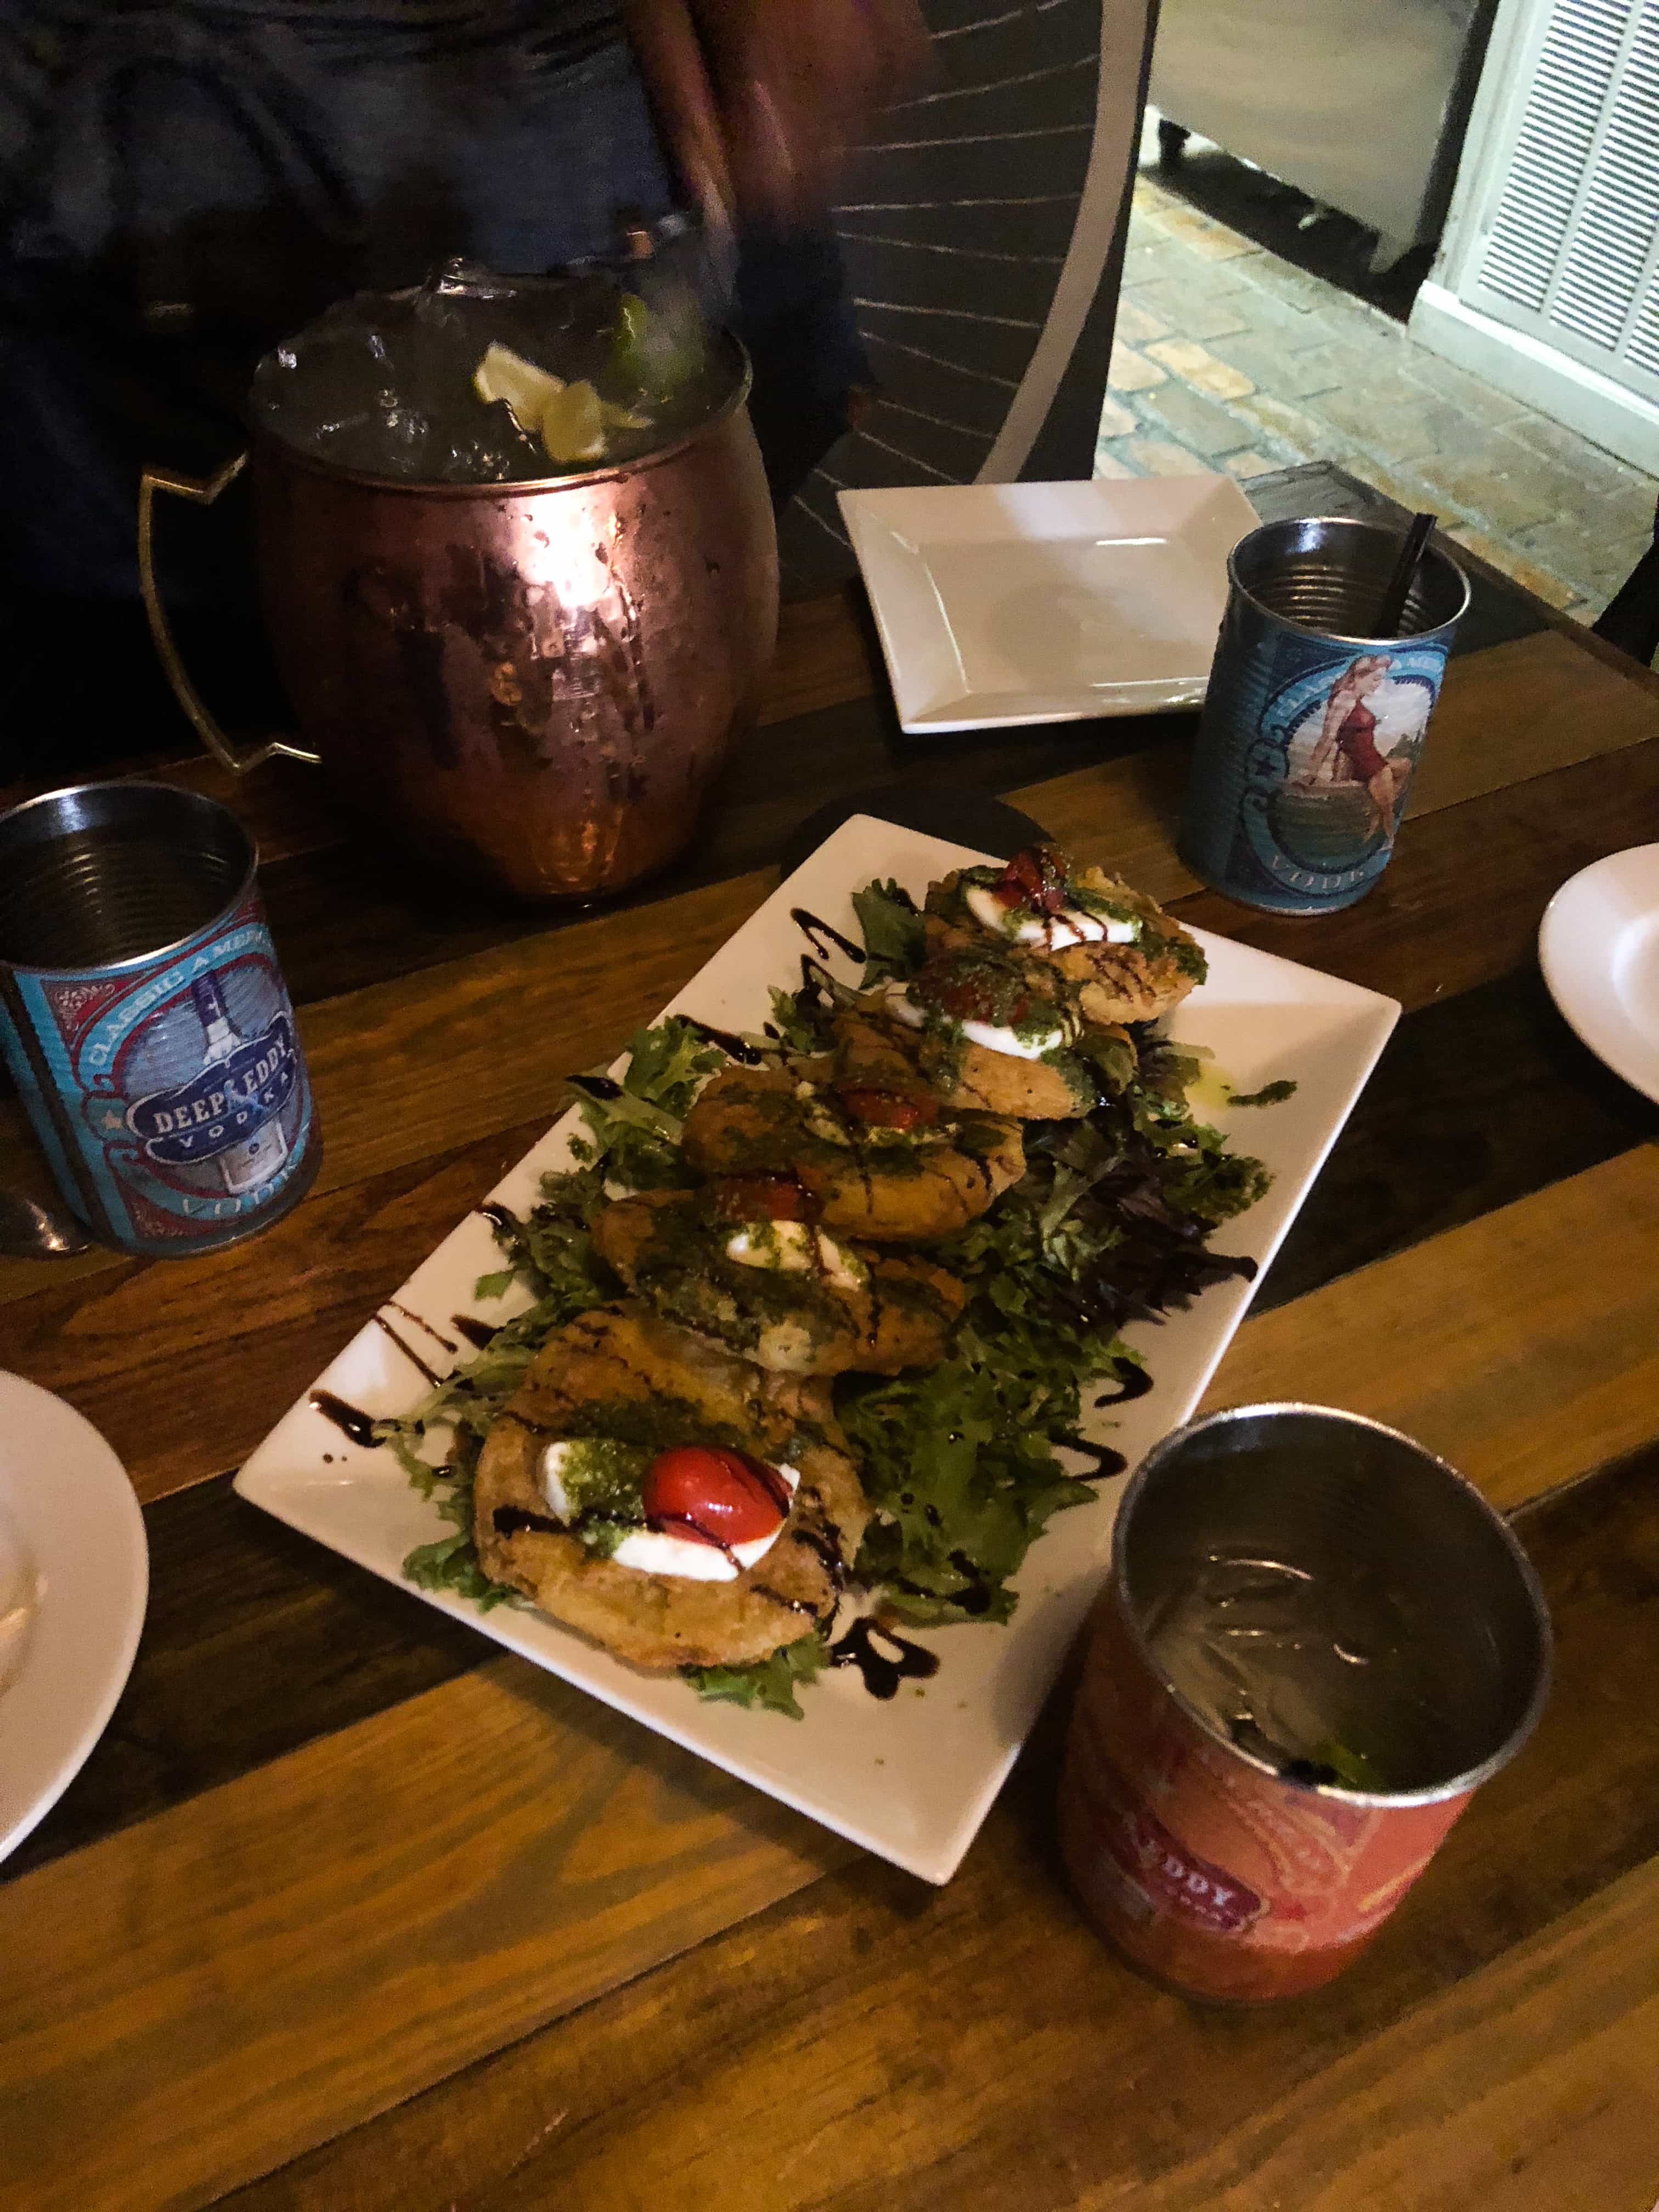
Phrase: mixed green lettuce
x=966 y=1462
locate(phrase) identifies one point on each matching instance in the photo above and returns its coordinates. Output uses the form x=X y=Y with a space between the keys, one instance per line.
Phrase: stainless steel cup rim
x=1347 y=523
x=1456 y=1785
x=193 y=801
x=523 y=487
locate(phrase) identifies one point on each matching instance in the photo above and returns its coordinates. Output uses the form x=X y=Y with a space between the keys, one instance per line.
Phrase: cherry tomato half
x=761 y=1198
x=1032 y=879
x=887 y=1110
x=972 y=997
x=714 y=1495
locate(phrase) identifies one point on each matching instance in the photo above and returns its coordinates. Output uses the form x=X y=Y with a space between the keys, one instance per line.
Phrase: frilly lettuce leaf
x=767 y=1686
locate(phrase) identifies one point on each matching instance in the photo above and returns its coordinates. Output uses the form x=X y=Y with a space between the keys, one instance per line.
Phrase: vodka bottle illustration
x=255 y=1157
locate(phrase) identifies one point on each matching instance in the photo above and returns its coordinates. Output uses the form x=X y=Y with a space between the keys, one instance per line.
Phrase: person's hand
x=758 y=99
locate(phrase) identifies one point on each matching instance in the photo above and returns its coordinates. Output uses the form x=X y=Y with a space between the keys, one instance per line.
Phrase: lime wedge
x=527 y=390
x=573 y=425
x=623 y=418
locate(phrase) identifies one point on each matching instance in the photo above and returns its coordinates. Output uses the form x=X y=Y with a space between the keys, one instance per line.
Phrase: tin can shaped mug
x=1313 y=724
x=145 y=1020
x=1317 y=1641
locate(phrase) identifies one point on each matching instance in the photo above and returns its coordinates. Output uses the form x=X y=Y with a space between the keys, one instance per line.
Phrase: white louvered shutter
x=1567 y=245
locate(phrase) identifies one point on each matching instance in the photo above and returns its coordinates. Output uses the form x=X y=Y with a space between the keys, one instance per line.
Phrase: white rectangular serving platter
x=912 y=1779
x=1000 y=604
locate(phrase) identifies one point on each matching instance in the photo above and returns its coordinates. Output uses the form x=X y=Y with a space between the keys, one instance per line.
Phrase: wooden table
x=347 y=1910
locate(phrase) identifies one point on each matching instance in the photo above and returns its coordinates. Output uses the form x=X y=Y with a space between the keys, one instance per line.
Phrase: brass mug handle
x=202 y=491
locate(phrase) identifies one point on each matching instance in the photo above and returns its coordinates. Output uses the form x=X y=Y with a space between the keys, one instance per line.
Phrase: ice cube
x=383 y=383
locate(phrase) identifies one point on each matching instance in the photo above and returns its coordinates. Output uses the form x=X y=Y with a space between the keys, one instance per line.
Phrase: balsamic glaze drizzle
x=513 y=1520
x=524 y=1421
x=882 y=1675
x=726 y=1041
x=1107 y=1462
x=1133 y=1382
x=602 y=1087
x=350 y=1420
x=409 y=1350
x=818 y=1541
x=666 y=1523
x=812 y=929
x=977 y=1597
x=421 y=1324
x=790 y=1604
x=777 y=1492
x=503 y=1216
x=479 y=1333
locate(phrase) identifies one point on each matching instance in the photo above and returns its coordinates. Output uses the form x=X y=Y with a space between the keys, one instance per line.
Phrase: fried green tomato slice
x=875 y=1047
x=1109 y=952
x=877 y=1166
x=777 y=1288
x=620 y=1373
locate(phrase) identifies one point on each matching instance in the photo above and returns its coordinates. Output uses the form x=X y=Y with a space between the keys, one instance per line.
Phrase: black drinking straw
x=1405 y=574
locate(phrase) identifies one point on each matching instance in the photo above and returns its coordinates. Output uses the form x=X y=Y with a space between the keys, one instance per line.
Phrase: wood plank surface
x=1483 y=906
x=439 y=1933
x=865 y=2043
x=257 y=1641
x=1515 y=712
x=1435 y=1141
x=432 y=1772
x=238 y=1600
x=1529 y=2087
x=1463 y=897
x=409 y=1069
x=1523 y=1347
x=141 y=1349
x=229 y=1983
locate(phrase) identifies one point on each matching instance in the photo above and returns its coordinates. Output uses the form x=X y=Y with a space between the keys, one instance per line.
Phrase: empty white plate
x=1598 y=946
x=1047 y=602
x=74 y=1578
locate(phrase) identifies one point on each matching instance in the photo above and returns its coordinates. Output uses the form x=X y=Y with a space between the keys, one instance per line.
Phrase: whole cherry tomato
x=712 y=1495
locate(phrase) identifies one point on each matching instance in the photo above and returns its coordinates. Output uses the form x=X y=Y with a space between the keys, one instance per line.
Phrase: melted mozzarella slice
x=659 y=1551
x=555 y=1460
x=991 y=1035
x=995 y=1038
x=792 y=1248
x=1055 y=933
x=818 y=1119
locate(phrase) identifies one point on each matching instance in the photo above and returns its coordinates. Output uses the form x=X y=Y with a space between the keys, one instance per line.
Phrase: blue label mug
x=145 y=1021
x=1313 y=724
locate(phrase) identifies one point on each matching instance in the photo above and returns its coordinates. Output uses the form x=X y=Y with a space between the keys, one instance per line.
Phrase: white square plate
x=913 y=1779
x=1047 y=602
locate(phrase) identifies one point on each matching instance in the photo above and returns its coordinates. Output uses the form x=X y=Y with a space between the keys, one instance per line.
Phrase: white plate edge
x=122 y=1517
x=864 y=520
x=1596 y=1018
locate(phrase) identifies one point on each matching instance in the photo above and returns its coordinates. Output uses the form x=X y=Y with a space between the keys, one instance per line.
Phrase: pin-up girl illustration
x=1346 y=750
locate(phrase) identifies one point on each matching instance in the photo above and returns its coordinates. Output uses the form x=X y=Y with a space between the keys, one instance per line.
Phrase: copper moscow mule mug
x=529 y=686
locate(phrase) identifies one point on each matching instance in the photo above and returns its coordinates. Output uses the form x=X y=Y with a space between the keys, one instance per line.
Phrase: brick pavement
x=1228 y=357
